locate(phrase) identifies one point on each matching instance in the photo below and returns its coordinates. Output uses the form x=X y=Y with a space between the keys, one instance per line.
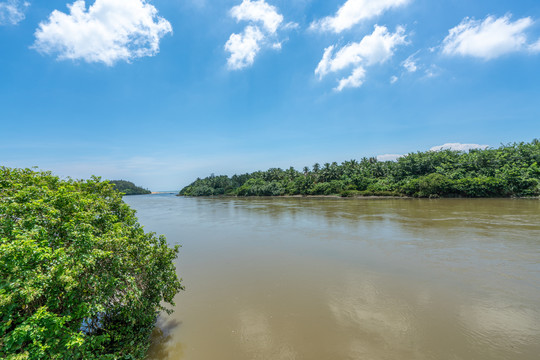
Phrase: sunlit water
x=324 y=279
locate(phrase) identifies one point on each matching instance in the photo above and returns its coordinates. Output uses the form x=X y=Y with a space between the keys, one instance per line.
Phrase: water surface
x=320 y=279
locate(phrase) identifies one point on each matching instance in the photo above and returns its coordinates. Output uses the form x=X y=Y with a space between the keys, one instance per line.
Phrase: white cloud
x=449 y=146
x=373 y=49
x=264 y=23
x=432 y=72
x=458 y=147
x=410 y=64
x=291 y=26
x=325 y=65
x=487 y=39
x=243 y=47
x=108 y=31
x=534 y=48
x=277 y=45
x=355 y=11
x=12 y=11
x=356 y=79
x=394 y=79
x=389 y=157
x=258 y=11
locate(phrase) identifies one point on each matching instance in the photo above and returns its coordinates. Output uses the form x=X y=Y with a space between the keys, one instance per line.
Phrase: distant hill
x=129 y=188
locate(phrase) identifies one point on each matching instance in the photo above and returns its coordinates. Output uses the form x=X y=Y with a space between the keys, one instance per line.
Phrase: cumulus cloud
x=243 y=47
x=12 y=11
x=394 y=79
x=458 y=147
x=487 y=39
x=355 y=11
x=258 y=11
x=264 y=23
x=375 y=48
x=108 y=31
x=389 y=157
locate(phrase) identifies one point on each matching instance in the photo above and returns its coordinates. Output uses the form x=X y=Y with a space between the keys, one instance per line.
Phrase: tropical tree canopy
x=510 y=170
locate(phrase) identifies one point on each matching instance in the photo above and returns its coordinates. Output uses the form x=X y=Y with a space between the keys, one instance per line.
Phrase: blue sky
x=163 y=91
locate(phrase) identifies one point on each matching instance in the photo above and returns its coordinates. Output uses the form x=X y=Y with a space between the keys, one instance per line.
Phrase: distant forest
x=129 y=188
x=511 y=170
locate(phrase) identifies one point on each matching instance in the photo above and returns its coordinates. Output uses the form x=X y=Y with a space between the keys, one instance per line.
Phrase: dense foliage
x=129 y=188
x=510 y=170
x=79 y=277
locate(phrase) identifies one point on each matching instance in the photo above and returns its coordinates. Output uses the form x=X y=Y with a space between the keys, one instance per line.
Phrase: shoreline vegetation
x=79 y=276
x=512 y=170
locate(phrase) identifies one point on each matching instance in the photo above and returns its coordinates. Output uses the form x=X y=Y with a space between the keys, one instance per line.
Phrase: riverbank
x=349 y=197
x=297 y=197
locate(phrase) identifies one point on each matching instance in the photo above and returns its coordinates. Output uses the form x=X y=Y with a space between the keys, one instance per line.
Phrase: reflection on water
x=161 y=339
x=350 y=279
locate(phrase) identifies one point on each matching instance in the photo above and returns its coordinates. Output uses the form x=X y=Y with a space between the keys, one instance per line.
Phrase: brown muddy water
x=325 y=279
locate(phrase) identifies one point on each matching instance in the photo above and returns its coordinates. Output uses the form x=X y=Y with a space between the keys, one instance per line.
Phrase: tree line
x=512 y=170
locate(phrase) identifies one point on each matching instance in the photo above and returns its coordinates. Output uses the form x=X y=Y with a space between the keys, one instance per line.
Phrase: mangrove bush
x=79 y=277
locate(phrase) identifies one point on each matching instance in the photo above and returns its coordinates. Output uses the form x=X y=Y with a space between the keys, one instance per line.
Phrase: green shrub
x=480 y=187
x=328 y=188
x=430 y=185
x=273 y=188
x=350 y=193
x=201 y=190
x=252 y=187
x=378 y=193
x=79 y=277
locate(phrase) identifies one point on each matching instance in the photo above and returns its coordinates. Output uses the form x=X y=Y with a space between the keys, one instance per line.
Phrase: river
x=332 y=279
